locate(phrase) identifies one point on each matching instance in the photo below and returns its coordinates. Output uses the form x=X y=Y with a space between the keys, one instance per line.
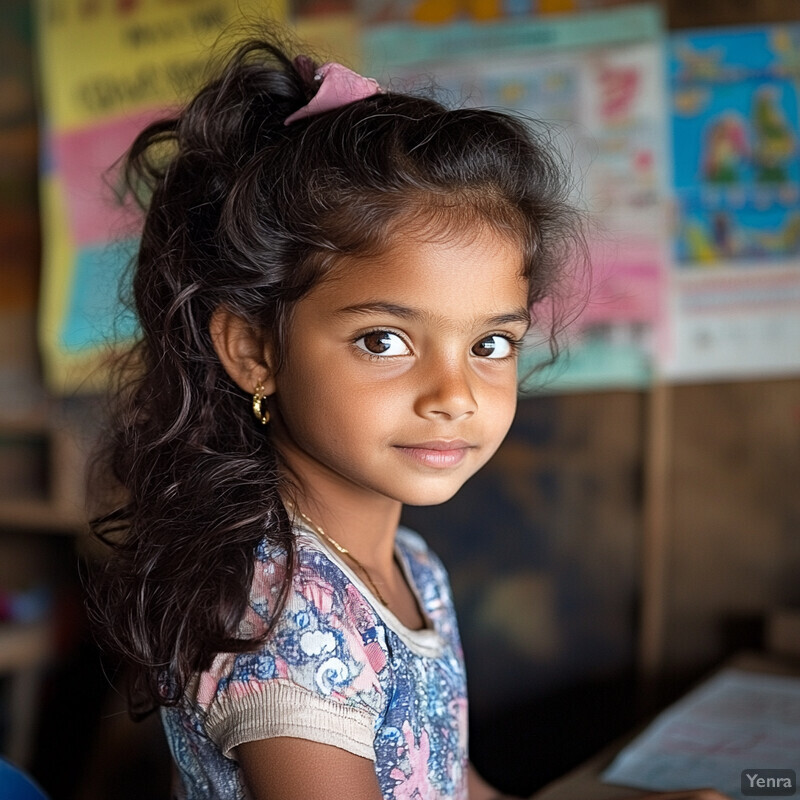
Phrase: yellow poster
x=331 y=37
x=107 y=68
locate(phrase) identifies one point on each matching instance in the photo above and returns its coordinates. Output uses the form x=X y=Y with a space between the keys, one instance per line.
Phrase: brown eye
x=382 y=343
x=493 y=347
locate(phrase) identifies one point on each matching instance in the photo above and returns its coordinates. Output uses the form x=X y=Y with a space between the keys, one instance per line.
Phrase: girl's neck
x=366 y=529
x=375 y=562
x=360 y=520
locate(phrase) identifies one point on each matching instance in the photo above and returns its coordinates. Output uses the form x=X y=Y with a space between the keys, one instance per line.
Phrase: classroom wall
x=734 y=549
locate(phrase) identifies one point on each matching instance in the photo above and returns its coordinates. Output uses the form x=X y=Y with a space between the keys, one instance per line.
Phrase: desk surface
x=584 y=782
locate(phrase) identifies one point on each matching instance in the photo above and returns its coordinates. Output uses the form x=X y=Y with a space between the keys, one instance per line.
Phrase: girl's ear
x=243 y=351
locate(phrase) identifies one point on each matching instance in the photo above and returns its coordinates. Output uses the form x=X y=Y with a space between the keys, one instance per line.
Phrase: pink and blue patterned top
x=338 y=668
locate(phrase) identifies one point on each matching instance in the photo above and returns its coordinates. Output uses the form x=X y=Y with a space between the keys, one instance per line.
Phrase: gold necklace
x=343 y=550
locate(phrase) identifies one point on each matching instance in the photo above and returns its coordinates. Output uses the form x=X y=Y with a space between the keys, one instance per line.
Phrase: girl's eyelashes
x=385 y=344
x=382 y=344
x=496 y=346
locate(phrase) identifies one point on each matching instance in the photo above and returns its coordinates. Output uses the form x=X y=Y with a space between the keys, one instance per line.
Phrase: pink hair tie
x=339 y=86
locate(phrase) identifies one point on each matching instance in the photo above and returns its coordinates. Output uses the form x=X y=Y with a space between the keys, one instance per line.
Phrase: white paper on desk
x=737 y=720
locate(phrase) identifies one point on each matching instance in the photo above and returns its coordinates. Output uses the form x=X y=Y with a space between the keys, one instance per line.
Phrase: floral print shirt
x=338 y=668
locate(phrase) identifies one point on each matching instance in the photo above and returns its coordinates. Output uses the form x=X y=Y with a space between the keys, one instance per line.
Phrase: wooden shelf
x=39 y=515
x=25 y=650
x=54 y=500
x=23 y=644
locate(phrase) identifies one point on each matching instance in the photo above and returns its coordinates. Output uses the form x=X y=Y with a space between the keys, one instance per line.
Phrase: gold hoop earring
x=259 y=410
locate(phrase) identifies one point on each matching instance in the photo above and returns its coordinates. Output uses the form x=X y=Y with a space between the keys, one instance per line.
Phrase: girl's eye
x=493 y=347
x=382 y=343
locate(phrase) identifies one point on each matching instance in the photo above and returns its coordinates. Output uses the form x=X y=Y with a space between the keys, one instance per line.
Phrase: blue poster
x=735 y=129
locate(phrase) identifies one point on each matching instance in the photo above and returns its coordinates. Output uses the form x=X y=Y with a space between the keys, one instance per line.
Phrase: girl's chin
x=432 y=498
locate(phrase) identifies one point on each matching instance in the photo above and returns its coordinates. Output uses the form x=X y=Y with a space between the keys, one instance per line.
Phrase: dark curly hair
x=247 y=213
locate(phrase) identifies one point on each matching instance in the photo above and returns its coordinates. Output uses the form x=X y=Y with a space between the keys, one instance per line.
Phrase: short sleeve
x=316 y=675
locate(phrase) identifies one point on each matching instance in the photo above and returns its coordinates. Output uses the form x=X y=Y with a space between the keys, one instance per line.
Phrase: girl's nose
x=446 y=391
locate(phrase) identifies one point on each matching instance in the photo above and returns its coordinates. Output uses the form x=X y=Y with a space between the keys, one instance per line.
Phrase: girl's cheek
x=504 y=381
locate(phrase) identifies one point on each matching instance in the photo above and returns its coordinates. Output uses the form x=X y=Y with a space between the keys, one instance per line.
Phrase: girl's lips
x=438 y=454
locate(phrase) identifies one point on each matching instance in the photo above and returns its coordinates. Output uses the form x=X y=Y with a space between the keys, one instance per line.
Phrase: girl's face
x=399 y=376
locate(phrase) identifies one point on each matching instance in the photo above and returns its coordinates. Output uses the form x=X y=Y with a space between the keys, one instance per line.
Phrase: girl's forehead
x=432 y=244
x=476 y=273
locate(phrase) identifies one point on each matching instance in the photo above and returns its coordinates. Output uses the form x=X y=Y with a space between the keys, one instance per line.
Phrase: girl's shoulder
x=411 y=542
x=322 y=588
x=416 y=547
x=428 y=578
x=325 y=586
x=408 y=541
x=425 y=565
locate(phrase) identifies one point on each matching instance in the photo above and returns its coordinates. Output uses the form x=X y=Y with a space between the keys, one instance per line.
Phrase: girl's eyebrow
x=380 y=307
x=520 y=315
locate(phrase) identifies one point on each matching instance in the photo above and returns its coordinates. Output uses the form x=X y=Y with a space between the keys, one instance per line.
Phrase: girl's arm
x=298 y=769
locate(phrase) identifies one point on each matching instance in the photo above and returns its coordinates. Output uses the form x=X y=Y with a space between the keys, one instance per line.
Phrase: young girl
x=332 y=285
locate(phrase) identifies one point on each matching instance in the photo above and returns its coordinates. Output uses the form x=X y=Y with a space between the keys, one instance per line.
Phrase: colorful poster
x=735 y=299
x=594 y=85
x=20 y=390
x=305 y=9
x=329 y=32
x=391 y=46
x=107 y=68
x=443 y=11
x=446 y=11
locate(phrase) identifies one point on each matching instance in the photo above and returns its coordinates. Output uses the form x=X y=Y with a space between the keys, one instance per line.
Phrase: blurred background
x=640 y=524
